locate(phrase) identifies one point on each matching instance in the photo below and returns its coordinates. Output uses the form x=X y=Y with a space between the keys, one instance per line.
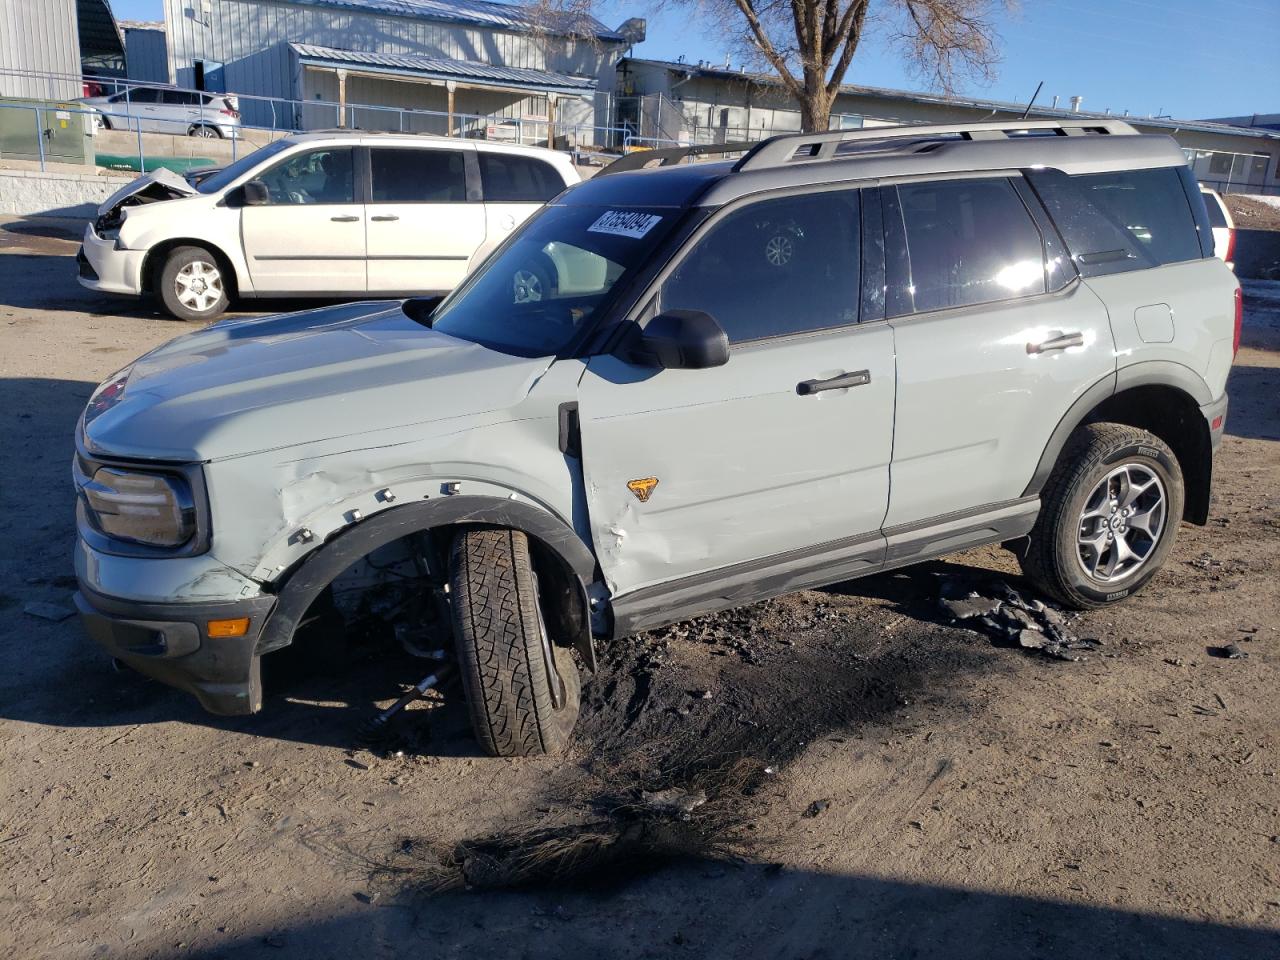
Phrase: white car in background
x=1224 y=227
x=169 y=110
x=338 y=214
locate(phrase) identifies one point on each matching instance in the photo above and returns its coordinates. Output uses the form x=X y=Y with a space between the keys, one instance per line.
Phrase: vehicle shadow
x=714 y=910
x=1253 y=392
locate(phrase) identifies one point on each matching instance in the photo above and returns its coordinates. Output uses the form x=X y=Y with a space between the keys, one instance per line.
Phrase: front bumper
x=107 y=270
x=170 y=642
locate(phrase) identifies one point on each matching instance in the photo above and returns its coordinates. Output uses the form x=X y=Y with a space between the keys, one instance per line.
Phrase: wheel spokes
x=1121 y=522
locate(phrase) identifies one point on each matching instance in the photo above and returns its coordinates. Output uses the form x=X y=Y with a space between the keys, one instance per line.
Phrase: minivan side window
x=313 y=176
x=775 y=267
x=967 y=242
x=418 y=176
x=1123 y=220
x=510 y=178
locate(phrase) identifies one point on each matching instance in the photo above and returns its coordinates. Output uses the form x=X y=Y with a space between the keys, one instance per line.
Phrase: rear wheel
x=204 y=130
x=522 y=689
x=1108 y=517
x=192 y=286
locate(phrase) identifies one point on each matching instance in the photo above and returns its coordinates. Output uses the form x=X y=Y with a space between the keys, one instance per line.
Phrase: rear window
x=511 y=178
x=1123 y=220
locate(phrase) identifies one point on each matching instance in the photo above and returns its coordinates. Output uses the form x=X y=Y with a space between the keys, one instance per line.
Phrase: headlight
x=153 y=509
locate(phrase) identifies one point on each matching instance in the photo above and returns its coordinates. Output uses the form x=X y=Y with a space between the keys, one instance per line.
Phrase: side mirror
x=682 y=340
x=255 y=194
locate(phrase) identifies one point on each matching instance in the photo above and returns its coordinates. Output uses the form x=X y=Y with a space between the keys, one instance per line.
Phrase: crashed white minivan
x=334 y=214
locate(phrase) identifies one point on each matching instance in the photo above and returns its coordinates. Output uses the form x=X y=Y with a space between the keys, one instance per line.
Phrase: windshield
x=229 y=174
x=553 y=278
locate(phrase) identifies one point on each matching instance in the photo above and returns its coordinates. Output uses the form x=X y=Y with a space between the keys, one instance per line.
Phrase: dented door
x=690 y=471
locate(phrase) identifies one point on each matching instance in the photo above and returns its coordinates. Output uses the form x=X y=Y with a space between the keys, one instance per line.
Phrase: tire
x=499 y=634
x=192 y=285
x=204 y=131
x=1084 y=550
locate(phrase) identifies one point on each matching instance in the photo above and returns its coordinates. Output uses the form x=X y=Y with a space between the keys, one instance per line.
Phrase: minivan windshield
x=555 y=276
x=229 y=174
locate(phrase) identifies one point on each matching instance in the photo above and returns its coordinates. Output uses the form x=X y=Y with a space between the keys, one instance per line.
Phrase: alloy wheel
x=1121 y=523
x=198 y=285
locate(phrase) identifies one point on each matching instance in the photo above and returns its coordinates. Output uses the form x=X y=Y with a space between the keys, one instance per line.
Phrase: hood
x=159 y=184
x=245 y=386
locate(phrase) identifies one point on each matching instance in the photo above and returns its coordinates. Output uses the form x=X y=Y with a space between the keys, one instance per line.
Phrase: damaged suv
x=841 y=353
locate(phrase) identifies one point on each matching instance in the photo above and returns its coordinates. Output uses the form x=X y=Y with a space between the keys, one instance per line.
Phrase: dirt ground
x=880 y=782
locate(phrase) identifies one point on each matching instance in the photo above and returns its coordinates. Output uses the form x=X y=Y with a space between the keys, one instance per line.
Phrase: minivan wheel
x=192 y=286
x=522 y=689
x=1108 y=516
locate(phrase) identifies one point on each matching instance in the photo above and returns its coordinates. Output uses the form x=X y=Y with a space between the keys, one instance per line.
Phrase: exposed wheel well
x=159 y=254
x=1174 y=417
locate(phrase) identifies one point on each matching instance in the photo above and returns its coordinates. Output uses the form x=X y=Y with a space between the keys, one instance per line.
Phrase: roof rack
x=808 y=147
x=669 y=156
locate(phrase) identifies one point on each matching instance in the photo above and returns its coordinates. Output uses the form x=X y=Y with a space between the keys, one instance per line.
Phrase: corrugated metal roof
x=1042 y=113
x=438 y=68
x=479 y=12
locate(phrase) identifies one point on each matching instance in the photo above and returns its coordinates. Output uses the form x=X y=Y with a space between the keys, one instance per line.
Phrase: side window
x=512 y=178
x=775 y=267
x=969 y=241
x=183 y=98
x=142 y=95
x=418 y=176
x=1125 y=220
x=314 y=176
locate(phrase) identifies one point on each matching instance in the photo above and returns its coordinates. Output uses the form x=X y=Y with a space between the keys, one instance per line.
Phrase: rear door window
x=183 y=98
x=967 y=242
x=1216 y=218
x=418 y=176
x=775 y=267
x=511 y=178
x=1122 y=220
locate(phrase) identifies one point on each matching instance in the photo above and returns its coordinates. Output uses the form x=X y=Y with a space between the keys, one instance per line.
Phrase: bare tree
x=810 y=44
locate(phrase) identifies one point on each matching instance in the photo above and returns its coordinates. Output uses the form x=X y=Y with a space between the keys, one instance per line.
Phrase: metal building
x=463 y=58
x=146 y=50
x=39 y=37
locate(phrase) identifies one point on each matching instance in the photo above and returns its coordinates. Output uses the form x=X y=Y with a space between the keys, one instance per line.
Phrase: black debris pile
x=1012 y=617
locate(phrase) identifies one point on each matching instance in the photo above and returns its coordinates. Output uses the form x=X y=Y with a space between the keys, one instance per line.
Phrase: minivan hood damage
x=248 y=386
x=159 y=184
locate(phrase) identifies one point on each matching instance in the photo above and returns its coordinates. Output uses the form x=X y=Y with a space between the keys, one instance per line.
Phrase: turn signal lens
x=229 y=628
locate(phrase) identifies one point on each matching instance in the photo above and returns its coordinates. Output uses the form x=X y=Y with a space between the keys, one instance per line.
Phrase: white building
x=464 y=65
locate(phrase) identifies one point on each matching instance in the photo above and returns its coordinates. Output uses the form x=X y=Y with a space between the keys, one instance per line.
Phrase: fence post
x=142 y=160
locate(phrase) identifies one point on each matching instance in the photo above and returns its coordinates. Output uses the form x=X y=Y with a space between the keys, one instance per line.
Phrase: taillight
x=1231 y=245
x=1235 y=340
x=230 y=113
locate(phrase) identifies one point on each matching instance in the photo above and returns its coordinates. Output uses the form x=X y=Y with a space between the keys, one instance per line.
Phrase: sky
x=1182 y=58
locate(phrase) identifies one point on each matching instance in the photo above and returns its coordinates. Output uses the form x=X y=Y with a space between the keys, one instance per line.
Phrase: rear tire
x=502 y=648
x=204 y=131
x=1108 y=516
x=192 y=285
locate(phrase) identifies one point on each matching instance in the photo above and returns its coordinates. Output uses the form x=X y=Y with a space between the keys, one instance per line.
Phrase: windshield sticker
x=622 y=223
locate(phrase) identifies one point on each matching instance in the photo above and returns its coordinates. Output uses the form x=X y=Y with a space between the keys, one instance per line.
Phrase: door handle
x=344 y=219
x=1057 y=341
x=842 y=382
x=383 y=219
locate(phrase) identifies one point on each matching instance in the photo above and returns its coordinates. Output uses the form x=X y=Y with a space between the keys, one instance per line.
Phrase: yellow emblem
x=643 y=488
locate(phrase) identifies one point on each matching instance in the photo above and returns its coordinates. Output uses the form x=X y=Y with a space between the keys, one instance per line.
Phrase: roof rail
x=801 y=147
x=669 y=156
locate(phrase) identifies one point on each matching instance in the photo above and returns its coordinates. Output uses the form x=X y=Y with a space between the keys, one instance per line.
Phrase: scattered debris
x=1231 y=651
x=817 y=808
x=47 y=611
x=674 y=801
x=1012 y=617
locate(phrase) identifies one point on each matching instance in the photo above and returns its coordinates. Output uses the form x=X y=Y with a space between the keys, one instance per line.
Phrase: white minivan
x=334 y=214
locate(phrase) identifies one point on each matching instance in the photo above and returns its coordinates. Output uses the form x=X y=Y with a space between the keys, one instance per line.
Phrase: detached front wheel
x=522 y=689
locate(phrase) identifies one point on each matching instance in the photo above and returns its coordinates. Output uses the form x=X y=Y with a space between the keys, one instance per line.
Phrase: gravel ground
x=879 y=780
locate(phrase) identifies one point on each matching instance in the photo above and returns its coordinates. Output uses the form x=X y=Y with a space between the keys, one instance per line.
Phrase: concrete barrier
x=219 y=152
x=32 y=193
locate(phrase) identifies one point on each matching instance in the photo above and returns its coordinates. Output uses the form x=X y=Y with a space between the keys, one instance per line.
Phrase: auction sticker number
x=624 y=223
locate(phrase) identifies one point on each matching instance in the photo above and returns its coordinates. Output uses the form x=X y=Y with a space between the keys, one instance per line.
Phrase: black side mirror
x=255 y=194
x=420 y=309
x=682 y=340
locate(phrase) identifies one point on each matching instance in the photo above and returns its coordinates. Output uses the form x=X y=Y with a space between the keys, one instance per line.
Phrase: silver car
x=846 y=352
x=169 y=110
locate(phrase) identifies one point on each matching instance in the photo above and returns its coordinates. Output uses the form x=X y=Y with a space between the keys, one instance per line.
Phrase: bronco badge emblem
x=643 y=488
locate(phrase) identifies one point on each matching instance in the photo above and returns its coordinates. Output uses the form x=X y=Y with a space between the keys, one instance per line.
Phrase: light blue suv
x=842 y=353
